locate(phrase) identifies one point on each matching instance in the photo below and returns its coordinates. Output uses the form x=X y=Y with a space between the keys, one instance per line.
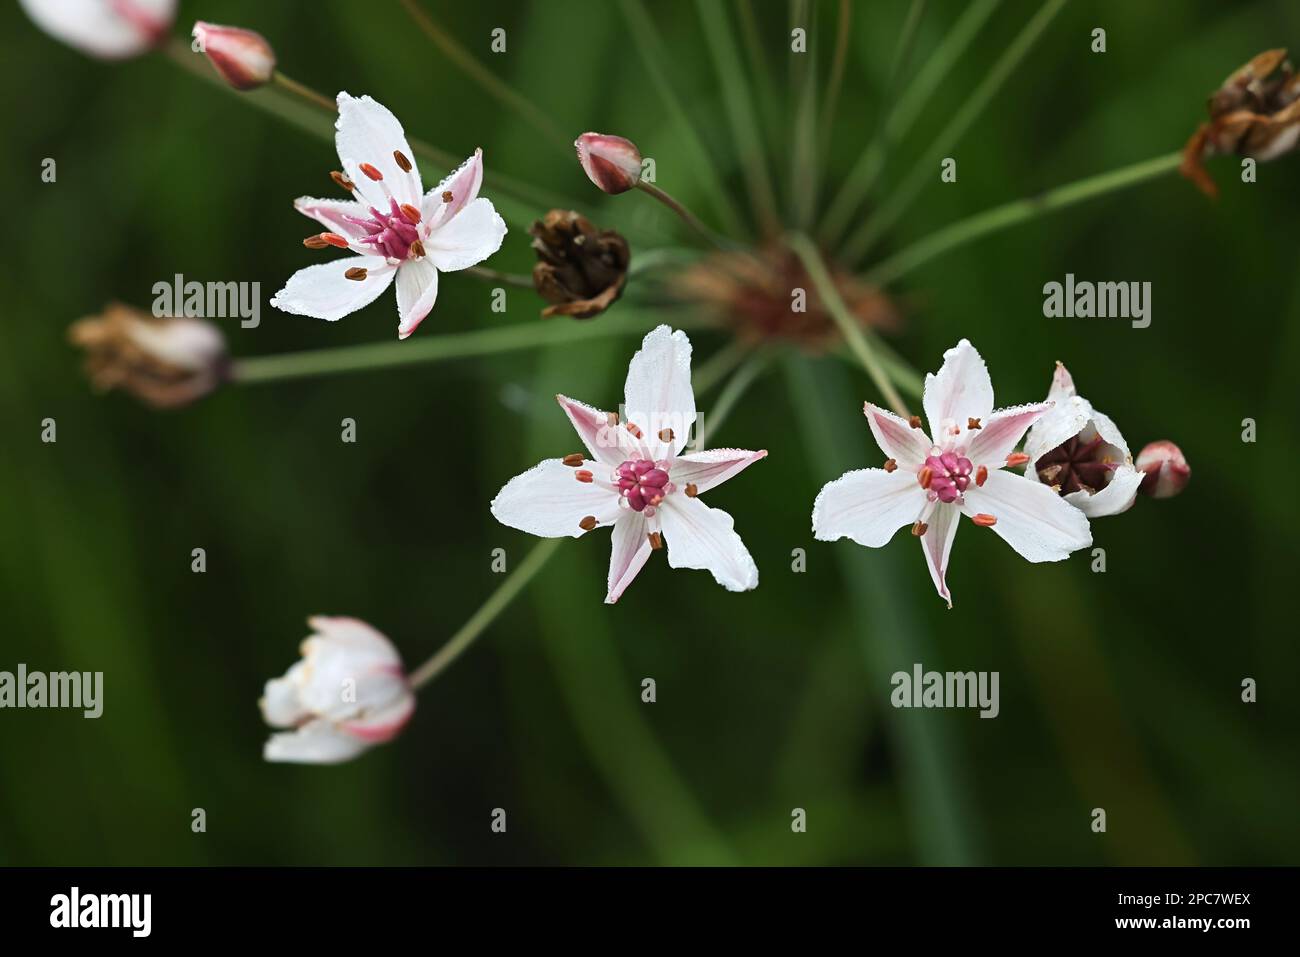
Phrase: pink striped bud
x=1167 y=472
x=243 y=58
x=611 y=162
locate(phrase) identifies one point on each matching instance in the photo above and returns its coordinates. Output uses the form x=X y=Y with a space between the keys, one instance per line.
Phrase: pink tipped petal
x=936 y=543
x=960 y=390
x=1062 y=386
x=1001 y=432
x=382 y=725
x=324 y=292
x=335 y=215
x=1031 y=518
x=100 y=28
x=549 y=501
x=316 y=742
x=474 y=235
x=417 y=288
x=358 y=637
x=867 y=506
x=1116 y=497
x=658 y=393
x=709 y=469
x=592 y=425
x=463 y=184
x=630 y=549
x=368 y=132
x=703 y=537
x=896 y=438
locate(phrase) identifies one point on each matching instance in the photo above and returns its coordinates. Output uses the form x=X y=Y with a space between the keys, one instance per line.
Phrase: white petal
x=703 y=537
x=1062 y=386
x=110 y=31
x=549 y=501
x=629 y=549
x=368 y=132
x=280 y=703
x=463 y=183
x=1001 y=432
x=658 y=394
x=1110 y=434
x=357 y=636
x=317 y=742
x=324 y=292
x=896 y=438
x=868 y=506
x=960 y=390
x=1116 y=497
x=376 y=727
x=417 y=288
x=602 y=440
x=1031 y=518
x=709 y=469
x=331 y=214
x=1062 y=422
x=936 y=544
x=471 y=237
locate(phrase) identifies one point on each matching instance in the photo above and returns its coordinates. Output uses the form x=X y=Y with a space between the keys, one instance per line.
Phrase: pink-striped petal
x=708 y=469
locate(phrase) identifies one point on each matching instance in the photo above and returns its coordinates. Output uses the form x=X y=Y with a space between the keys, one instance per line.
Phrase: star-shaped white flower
x=1080 y=453
x=636 y=479
x=929 y=482
x=396 y=230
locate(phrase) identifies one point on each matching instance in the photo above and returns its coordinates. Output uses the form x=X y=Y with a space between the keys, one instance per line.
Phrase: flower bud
x=163 y=362
x=580 y=269
x=611 y=162
x=1167 y=472
x=106 y=29
x=348 y=693
x=243 y=58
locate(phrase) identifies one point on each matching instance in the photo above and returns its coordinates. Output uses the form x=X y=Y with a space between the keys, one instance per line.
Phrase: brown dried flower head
x=1255 y=113
x=580 y=269
x=163 y=362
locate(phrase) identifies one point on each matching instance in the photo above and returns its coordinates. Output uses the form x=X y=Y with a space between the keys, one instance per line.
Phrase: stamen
x=334 y=239
x=446 y=196
x=411 y=213
x=573 y=460
x=925 y=476
x=588 y=523
x=665 y=435
x=914 y=421
x=342 y=181
x=973 y=423
x=584 y=475
x=402 y=162
x=984 y=519
x=611 y=418
x=417 y=247
x=656 y=541
x=1016 y=458
x=919 y=529
x=356 y=274
x=981 y=475
x=371 y=171
x=890 y=465
x=634 y=429
x=314 y=242
x=691 y=490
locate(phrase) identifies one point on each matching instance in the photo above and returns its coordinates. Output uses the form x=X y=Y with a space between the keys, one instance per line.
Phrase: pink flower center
x=949 y=476
x=642 y=483
x=392 y=233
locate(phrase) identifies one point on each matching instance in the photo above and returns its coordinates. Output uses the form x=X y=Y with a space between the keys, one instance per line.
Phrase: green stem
x=645 y=35
x=735 y=94
x=489 y=81
x=836 y=79
x=854 y=335
x=730 y=395
x=487 y=613
x=1018 y=211
x=686 y=216
x=505 y=278
x=453 y=345
x=898 y=118
x=925 y=171
x=803 y=131
x=302 y=91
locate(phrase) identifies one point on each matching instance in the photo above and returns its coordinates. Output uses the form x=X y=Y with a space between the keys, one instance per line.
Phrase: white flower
x=1080 y=453
x=635 y=478
x=396 y=230
x=107 y=29
x=348 y=692
x=929 y=482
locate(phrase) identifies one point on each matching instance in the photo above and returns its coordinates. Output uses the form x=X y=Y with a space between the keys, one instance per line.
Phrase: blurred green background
x=1119 y=690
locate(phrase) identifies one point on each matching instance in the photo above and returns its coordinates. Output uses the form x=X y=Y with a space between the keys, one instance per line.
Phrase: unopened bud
x=243 y=58
x=1167 y=472
x=611 y=162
